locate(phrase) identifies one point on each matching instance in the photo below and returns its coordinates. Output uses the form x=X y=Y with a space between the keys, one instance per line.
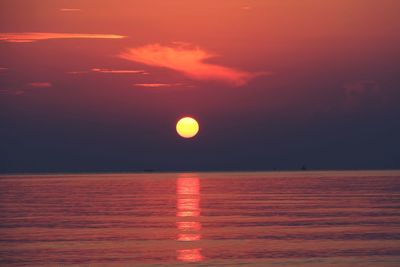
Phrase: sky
x=96 y=85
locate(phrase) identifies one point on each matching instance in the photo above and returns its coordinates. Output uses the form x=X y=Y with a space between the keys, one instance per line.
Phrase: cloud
x=362 y=93
x=40 y=84
x=70 y=9
x=189 y=60
x=361 y=87
x=110 y=71
x=1 y=68
x=77 y=72
x=11 y=92
x=154 y=85
x=119 y=71
x=29 y=37
x=27 y=88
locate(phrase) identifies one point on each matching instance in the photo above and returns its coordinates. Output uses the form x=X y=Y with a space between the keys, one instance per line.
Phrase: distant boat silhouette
x=304 y=167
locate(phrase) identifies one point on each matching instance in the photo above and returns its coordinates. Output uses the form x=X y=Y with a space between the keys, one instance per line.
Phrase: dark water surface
x=204 y=219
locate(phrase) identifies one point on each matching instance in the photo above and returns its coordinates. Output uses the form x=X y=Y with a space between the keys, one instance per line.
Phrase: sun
x=187 y=127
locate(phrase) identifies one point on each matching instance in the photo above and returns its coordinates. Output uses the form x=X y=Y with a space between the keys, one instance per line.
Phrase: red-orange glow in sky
x=275 y=84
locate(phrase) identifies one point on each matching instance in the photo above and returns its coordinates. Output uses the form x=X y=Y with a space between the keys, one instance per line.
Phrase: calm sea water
x=201 y=219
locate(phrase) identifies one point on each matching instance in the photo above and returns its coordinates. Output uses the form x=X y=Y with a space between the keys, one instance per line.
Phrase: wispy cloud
x=29 y=87
x=189 y=60
x=363 y=93
x=77 y=72
x=29 y=37
x=70 y=9
x=119 y=71
x=246 y=7
x=361 y=87
x=40 y=84
x=110 y=71
x=9 y=92
x=154 y=85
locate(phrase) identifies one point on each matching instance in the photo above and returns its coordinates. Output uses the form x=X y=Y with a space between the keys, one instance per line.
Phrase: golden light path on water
x=187 y=215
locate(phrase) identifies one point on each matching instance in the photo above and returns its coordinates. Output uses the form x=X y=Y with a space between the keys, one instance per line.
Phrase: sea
x=305 y=218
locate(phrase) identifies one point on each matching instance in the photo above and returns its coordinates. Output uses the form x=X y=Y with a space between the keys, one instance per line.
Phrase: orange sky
x=264 y=67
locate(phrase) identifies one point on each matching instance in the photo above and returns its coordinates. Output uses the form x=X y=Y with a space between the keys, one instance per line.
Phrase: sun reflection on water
x=188 y=212
x=190 y=255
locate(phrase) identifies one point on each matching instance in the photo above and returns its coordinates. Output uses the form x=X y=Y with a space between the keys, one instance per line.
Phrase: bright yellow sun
x=187 y=127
